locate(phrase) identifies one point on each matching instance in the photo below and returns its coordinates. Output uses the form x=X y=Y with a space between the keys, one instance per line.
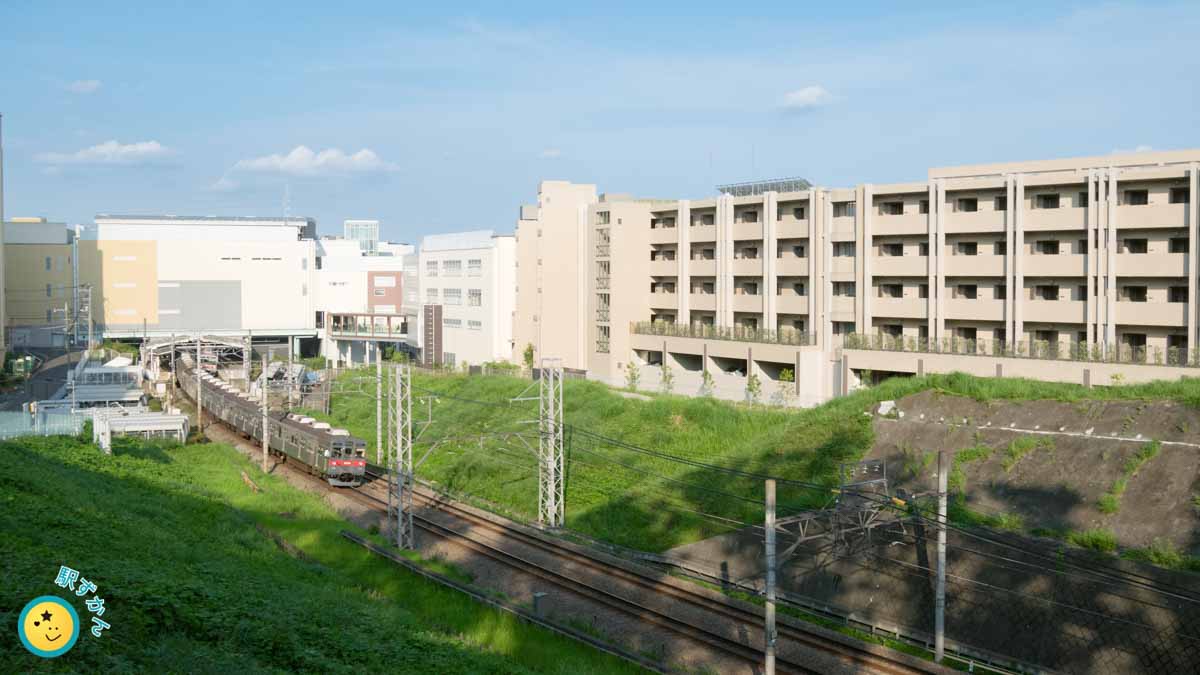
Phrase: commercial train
x=331 y=453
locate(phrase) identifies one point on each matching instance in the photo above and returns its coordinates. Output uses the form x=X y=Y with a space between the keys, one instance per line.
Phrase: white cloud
x=807 y=98
x=302 y=161
x=109 y=153
x=1126 y=151
x=83 y=86
x=550 y=153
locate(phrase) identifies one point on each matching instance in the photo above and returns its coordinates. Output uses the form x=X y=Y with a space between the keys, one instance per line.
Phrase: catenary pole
x=266 y=434
x=939 y=597
x=769 y=633
x=199 y=390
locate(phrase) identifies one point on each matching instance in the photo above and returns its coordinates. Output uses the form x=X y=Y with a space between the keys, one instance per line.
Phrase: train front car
x=347 y=461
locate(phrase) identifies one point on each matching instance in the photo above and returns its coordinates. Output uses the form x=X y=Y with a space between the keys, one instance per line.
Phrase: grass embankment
x=651 y=503
x=172 y=538
x=1110 y=502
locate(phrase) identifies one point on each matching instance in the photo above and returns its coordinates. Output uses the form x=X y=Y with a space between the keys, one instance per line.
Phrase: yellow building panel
x=124 y=279
x=37 y=280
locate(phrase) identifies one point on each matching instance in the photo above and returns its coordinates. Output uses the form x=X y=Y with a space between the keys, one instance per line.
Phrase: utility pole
x=378 y=409
x=939 y=595
x=769 y=633
x=266 y=435
x=199 y=389
x=171 y=385
x=247 y=354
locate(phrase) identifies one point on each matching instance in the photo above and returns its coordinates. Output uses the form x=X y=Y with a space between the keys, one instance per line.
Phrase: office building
x=471 y=276
x=1075 y=270
x=39 y=288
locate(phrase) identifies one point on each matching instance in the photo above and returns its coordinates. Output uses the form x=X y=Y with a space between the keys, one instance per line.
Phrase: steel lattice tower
x=551 y=465
x=400 y=473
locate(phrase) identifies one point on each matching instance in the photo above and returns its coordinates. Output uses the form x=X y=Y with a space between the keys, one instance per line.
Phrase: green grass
x=182 y=554
x=1164 y=554
x=1018 y=449
x=1110 y=502
x=650 y=503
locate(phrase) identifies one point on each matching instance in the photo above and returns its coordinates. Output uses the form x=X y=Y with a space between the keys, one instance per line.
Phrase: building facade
x=364 y=232
x=472 y=276
x=39 y=288
x=1074 y=270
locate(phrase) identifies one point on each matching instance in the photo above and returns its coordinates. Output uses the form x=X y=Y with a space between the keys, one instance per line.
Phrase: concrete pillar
x=938 y=250
x=1011 y=297
x=826 y=265
x=931 y=262
x=1111 y=208
x=815 y=263
x=865 y=212
x=770 y=223
x=1193 y=215
x=683 y=253
x=1018 y=206
x=1090 y=261
x=724 y=252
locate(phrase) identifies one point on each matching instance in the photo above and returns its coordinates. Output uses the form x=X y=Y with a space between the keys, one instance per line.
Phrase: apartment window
x=474 y=297
x=1000 y=248
x=893 y=250
x=1177 y=342
x=1050 y=336
x=1000 y=292
x=431 y=296
x=707 y=219
x=748 y=253
x=843 y=249
x=1178 y=294
x=923 y=291
x=1046 y=247
x=47 y=263
x=1137 y=197
x=1000 y=203
x=452 y=323
x=801 y=288
x=431 y=268
x=799 y=213
x=1179 y=245
x=1134 y=245
x=966 y=248
x=452 y=268
x=378 y=292
x=893 y=330
x=843 y=209
x=1132 y=294
x=48 y=315
x=474 y=267
x=475 y=325
x=843 y=289
x=966 y=205
x=750 y=216
x=966 y=333
x=923 y=332
x=1180 y=195
x=1080 y=293
x=1001 y=335
x=800 y=251
x=1081 y=246
x=1081 y=200
x=891 y=209
x=1045 y=292
x=923 y=249
x=602 y=217
x=707 y=254
x=707 y=288
x=923 y=206
x=1048 y=201
x=748 y=288
x=49 y=290
x=966 y=291
x=452 y=296
x=843 y=327
x=891 y=291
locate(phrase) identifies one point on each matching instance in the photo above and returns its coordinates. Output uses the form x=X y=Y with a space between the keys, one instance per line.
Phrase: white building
x=472 y=275
x=350 y=282
x=365 y=232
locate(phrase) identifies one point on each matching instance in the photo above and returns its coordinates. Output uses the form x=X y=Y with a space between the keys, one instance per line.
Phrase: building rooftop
x=170 y=219
x=458 y=240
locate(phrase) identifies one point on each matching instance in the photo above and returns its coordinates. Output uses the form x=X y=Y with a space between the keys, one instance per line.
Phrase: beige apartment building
x=1073 y=270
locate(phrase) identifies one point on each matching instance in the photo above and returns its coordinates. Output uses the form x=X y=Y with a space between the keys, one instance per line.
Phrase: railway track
x=679 y=607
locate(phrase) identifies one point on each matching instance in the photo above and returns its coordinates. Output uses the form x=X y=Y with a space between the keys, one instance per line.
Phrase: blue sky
x=436 y=118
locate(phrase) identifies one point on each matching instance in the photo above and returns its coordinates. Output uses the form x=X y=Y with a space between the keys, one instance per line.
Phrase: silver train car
x=331 y=453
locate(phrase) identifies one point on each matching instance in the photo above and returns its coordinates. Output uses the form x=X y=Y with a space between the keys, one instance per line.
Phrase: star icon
x=45 y=616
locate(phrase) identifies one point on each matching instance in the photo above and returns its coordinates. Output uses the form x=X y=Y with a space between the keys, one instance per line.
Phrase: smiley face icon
x=48 y=626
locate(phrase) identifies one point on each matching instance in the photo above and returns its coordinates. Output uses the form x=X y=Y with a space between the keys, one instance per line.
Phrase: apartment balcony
x=1065 y=265
x=1064 y=218
x=792 y=229
x=663 y=300
x=702 y=268
x=747 y=267
x=701 y=233
x=664 y=235
x=791 y=266
x=842 y=228
x=702 y=302
x=790 y=303
x=975 y=310
x=974 y=265
x=603 y=250
x=899 y=266
x=907 y=223
x=900 y=308
x=1152 y=215
x=842 y=308
x=1152 y=265
x=1173 y=314
x=975 y=221
x=730 y=333
x=743 y=231
x=602 y=314
x=843 y=267
x=603 y=282
x=1054 y=311
x=748 y=303
x=366 y=326
x=664 y=268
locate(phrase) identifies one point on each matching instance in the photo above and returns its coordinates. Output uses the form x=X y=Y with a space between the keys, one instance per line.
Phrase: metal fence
x=732 y=333
x=18 y=424
x=1028 y=349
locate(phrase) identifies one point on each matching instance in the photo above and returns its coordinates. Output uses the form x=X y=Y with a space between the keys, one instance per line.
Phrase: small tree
x=753 y=388
x=528 y=356
x=632 y=376
x=706 y=383
x=668 y=378
x=787 y=388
